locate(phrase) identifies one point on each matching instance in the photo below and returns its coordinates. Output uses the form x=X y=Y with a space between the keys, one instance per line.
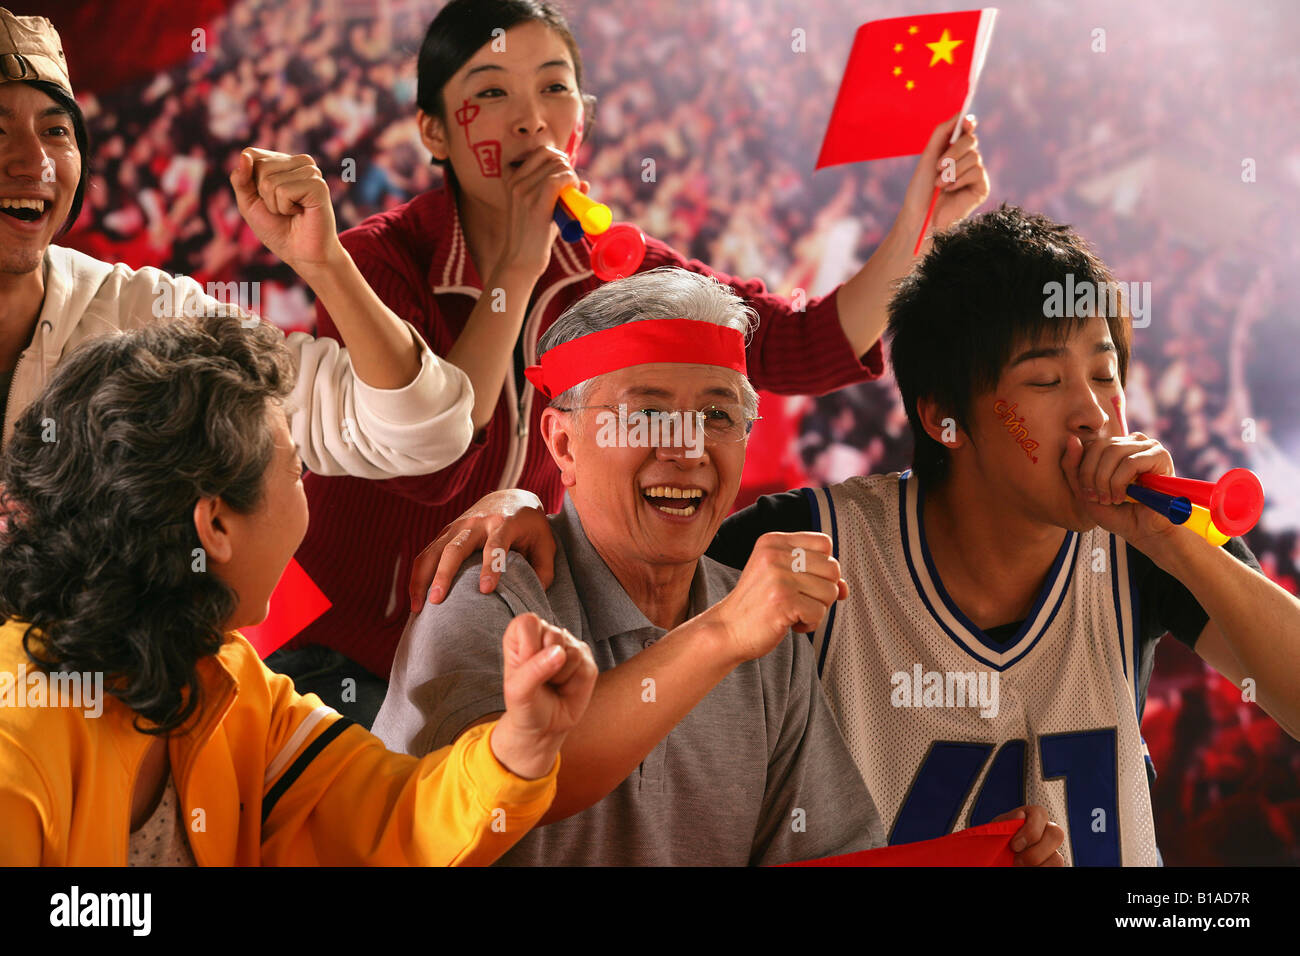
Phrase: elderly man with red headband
x=707 y=740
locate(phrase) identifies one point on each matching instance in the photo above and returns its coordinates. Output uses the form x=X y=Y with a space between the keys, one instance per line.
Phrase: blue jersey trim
x=1034 y=623
x=1130 y=638
x=814 y=507
x=1119 y=610
x=810 y=494
x=835 y=553
x=1136 y=603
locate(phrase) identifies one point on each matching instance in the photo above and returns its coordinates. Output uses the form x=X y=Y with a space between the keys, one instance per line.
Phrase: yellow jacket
x=264 y=776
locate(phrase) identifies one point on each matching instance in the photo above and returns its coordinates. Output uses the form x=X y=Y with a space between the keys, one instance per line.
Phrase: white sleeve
x=345 y=427
x=342 y=426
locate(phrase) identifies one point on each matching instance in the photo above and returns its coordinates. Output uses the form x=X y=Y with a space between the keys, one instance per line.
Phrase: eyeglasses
x=721 y=423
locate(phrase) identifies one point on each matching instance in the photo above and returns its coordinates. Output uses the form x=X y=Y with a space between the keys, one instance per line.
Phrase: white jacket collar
x=72 y=280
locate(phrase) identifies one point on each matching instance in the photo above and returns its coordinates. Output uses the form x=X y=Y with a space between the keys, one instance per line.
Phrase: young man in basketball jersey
x=1005 y=601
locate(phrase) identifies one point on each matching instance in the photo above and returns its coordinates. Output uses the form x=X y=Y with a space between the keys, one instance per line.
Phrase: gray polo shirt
x=756 y=774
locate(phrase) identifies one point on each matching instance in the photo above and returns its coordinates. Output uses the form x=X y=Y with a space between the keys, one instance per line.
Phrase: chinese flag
x=295 y=603
x=904 y=77
x=989 y=845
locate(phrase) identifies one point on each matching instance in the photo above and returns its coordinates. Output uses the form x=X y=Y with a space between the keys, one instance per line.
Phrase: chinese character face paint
x=1118 y=402
x=1016 y=427
x=1049 y=392
x=486 y=152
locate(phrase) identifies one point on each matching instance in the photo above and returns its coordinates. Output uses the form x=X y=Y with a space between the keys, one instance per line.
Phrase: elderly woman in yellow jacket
x=152 y=498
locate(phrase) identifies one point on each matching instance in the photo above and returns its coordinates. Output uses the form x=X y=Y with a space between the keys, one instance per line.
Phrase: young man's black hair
x=980 y=293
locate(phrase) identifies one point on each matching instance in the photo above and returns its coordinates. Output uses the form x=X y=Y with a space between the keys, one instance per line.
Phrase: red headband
x=688 y=341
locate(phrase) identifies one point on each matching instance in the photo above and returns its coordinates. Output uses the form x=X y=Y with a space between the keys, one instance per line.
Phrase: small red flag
x=904 y=77
x=295 y=603
x=989 y=845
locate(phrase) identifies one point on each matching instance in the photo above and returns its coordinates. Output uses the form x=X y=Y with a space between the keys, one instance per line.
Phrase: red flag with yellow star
x=904 y=77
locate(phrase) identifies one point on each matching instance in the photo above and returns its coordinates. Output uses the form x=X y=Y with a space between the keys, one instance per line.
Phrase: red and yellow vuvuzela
x=904 y=77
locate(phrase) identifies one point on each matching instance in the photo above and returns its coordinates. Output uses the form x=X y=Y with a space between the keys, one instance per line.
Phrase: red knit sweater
x=364 y=534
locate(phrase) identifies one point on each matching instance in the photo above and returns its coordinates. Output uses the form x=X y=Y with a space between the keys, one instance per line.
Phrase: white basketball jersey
x=950 y=729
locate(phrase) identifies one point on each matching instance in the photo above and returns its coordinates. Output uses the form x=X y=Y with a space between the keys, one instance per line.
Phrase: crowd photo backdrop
x=1163 y=132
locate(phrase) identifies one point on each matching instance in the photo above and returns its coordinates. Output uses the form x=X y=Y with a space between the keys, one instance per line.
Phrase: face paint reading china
x=488 y=152
x=1016 y=427
x=488 y=155
x=464 y=116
